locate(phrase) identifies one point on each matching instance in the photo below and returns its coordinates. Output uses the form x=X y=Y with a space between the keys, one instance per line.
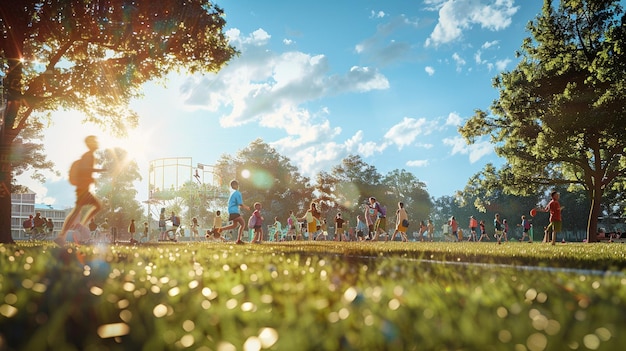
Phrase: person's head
x=523 y=216
x=38 y=214
x=372 y=200
x=132 y=220
x=91 y=142
x=339 y=215
x=257 y=205
x=234 y=184
x=313 y=206
x=162 y=209
x=504 y=221
x=497 y=215
x=145 y=223
x=218 y=212
x=400 y=204
x=555 y=195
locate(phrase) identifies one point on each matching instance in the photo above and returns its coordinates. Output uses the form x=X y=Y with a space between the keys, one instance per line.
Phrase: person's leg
x=393 y=236
x=96 y=206
x=237 y=222
x=68 y=223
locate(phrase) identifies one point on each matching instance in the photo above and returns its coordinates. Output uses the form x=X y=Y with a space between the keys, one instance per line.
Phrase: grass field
x=313 y=296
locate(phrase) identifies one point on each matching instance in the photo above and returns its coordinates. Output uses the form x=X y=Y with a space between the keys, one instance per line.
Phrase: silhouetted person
x=81 y=176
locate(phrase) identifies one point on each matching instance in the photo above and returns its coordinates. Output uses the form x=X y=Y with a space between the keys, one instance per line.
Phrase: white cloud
x=430 y=70
x=453 y=119
x=288 y=42
x=258 y=38
x=263 y=86
x=405 y=132
x=417 y=163
x=502 y=64
x=475 y=151
x=460 y=62
x=377 y=14
x=478 y=59
x=489 y=44
x=456 y=16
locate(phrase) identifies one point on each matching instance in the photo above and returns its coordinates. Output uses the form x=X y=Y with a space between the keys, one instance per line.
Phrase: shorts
x=401 y=228
x=233 y=216
x=85 y=197
x=499 y=232
x=311 y=227
x=339 y=231
x=554 y=226
x=257 y=227
x=473 y=229
x=381 y=223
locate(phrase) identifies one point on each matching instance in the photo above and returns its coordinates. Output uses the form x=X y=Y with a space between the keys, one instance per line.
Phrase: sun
x=136 y=144
x=245 y=174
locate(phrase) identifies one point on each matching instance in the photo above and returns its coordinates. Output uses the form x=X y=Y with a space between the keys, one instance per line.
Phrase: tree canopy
x=93 y=57
x=267 y=177
x=560 y=117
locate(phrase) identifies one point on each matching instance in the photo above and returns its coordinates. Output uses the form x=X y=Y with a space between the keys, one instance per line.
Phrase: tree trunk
x=12 y=85
x=594 y=212
x=5 y=192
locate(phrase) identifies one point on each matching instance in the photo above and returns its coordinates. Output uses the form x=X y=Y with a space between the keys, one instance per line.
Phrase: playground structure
x=166 y=176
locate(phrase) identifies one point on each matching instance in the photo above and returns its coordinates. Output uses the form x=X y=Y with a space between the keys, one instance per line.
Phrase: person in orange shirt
x=473 y=225
x=554 y=207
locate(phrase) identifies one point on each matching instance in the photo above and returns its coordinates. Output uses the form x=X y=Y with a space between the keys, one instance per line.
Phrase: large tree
x=267 y=177
x=94 y=56
x=560 y=117
x=403 y=186
x=348 y=186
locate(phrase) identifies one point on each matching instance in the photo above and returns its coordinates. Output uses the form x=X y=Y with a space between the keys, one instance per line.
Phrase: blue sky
x=318 y=80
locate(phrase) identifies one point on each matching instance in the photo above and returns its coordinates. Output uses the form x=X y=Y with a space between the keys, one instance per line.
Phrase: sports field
x=313 y=296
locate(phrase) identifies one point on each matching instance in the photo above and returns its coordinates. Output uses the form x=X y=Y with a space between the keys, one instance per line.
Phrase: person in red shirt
x=473 y=225
x=554 y=207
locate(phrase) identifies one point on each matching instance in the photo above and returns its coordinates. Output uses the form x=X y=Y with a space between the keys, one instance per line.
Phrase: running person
x=402 y=223
x=235 y=204
x=84 y=197
x=554 y=207
x=525 y=229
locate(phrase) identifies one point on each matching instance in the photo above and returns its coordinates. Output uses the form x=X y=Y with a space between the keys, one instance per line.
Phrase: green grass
x=313 y=296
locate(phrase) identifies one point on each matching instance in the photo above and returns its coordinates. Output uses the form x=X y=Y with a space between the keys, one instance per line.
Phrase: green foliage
x=348 y=186
x=273 y=180
x=94 y=57
x=560 y=116
x=318 y=296
x=115 y=187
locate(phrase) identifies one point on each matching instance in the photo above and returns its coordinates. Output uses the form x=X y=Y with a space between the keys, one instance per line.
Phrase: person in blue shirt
x=235 y=204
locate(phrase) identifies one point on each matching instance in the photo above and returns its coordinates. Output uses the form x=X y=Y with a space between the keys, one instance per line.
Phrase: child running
x=257 y=223
x=525 y=229
x=402 y=223
x=483 y=231
x=235 y=204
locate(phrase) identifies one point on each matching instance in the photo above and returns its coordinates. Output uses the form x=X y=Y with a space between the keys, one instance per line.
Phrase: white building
x=23 y=206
